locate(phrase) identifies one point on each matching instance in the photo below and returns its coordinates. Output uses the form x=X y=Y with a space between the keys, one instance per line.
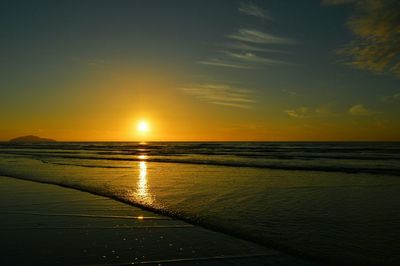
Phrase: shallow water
x=334 y=202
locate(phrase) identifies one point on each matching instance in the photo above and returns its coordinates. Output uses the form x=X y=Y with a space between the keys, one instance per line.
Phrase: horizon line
x=152 y=141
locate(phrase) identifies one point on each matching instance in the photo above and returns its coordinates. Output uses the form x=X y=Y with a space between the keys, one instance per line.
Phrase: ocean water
x=328 y=202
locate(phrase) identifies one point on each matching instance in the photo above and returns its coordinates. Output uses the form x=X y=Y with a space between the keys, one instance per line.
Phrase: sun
x=143 y=126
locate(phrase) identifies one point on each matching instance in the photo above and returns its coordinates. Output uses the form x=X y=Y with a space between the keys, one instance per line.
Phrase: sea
x=329 y=202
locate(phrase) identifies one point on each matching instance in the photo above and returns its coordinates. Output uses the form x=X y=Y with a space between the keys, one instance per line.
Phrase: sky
x=223 y=70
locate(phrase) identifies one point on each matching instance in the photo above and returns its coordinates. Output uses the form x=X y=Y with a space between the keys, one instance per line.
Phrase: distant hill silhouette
x=31 y=138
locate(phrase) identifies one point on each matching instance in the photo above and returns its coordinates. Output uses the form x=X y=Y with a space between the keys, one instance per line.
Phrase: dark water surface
x=334 y=202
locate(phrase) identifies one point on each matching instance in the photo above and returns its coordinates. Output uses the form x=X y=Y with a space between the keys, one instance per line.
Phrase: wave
x=279 y=153
x=317 y=166
x=279 y=150
x=86 y=165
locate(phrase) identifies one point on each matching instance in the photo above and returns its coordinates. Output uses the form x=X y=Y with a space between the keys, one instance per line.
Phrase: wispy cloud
x=221 y=94
x=327 y=110
x=251 y=48
x=376 y=26
x=222 y=63
x=258 y=37
x=324 y=110
x=236 y=105
x=253 y=10
x=360 y=110
x=300 y=112
x=253 y=58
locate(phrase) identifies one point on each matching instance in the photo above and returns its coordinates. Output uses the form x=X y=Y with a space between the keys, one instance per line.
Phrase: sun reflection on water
x=142 y=157
x=142 y=188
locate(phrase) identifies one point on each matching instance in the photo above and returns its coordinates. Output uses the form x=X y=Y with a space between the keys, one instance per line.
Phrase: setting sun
x=143 y=127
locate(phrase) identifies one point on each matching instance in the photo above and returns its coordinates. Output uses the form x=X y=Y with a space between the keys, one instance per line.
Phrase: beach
x=44 y=224
x=324 y=203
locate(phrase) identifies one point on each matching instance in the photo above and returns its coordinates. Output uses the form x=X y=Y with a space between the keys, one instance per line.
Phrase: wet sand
x=45 y=224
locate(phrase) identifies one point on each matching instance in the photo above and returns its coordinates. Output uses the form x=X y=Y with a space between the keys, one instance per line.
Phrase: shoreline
x=111 y=218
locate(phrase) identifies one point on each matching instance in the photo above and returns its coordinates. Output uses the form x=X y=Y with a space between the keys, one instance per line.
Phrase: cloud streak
x=360 y=110
x=253 y=10
x=221 y=63
x=326 y=110
x=300 y=112
x=305 y=112
x=253 y=58
x=221 y=94
x=251 y=48
x=258 y=37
